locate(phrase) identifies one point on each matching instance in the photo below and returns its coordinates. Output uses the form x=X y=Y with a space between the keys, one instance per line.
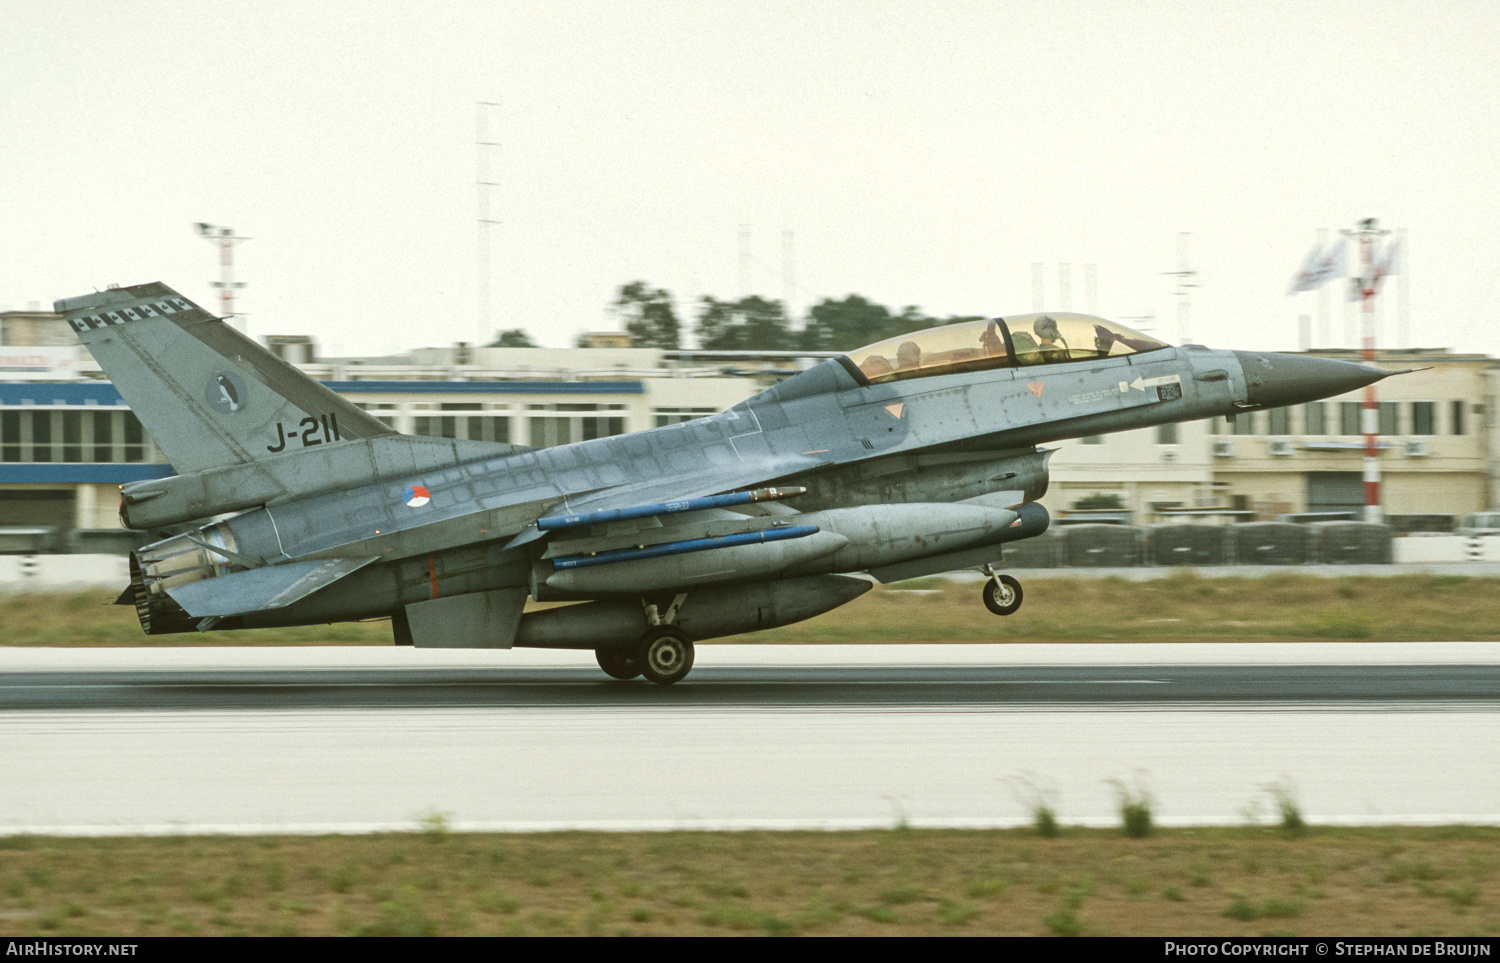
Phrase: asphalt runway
x=354 y=739
x=766 y=687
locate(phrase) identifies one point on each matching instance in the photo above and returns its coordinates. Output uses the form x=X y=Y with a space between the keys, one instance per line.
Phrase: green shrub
x=1136 y=808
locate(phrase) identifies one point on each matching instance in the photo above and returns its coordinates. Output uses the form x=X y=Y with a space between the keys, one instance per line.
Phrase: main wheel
x=621 y=662
x=665 y=657
x=1002 y=596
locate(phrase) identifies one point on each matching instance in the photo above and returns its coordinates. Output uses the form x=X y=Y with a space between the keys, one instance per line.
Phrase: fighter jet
x=913 y=456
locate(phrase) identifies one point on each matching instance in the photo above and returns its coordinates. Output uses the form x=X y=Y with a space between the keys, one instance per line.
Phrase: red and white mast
x=1366 y=283
x=226 y=239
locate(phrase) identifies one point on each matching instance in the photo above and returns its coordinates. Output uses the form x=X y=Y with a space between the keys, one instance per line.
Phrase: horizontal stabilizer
x=273 y=587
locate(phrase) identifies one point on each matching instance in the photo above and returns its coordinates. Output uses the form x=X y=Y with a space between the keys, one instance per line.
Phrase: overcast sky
x=919 y=153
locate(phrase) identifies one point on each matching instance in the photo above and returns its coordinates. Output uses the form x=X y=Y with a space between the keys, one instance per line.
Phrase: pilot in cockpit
x=1050 y=342
x=991 y=342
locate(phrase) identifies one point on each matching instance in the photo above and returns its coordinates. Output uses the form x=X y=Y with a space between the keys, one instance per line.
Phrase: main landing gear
x=1002 y=594
x=663 y=655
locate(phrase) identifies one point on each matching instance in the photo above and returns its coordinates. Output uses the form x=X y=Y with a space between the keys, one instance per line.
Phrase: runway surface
x=355 y=739
x=586 y=687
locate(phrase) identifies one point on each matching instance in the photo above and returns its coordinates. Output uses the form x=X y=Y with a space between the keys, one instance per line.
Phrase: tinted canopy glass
x=1027 y=339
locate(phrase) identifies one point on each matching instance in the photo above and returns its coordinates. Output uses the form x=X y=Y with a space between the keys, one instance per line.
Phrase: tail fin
x=208 y=395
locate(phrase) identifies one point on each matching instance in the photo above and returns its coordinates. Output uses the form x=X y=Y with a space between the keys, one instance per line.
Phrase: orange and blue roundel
x=416 y=496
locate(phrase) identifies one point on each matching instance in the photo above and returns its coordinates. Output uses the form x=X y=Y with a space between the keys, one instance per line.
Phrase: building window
x=41 y=436
x=1424 y=417
x=1315 y=418
x=1279 y=421
x=1390 y=418
x=548 y=429
x=676 y=416
x=135 y=438
x=546 y=432
x=72 y=432
x=1349 y=418
x=488 y=428
x=1091 y=440
x=434 y=427
x=1457 y=423
x=51 y=436
x=10 y=436
x=104 y=433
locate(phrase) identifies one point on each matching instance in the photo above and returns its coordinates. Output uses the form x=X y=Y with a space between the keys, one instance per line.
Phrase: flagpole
x=1325 y=336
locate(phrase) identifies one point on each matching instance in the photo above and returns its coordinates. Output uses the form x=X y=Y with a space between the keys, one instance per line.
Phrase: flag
x=1390 y=261
x=1320 y=266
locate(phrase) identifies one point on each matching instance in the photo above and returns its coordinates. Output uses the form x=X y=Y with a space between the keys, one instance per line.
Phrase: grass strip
x=1243 y=881
x=1183 y=607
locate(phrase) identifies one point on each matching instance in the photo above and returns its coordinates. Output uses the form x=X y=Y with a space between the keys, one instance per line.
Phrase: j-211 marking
x=309 y=427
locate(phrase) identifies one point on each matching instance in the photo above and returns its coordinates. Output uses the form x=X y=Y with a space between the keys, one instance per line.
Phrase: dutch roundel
x=416 y=496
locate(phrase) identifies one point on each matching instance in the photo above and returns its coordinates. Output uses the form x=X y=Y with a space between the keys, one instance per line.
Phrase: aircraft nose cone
x=1273 y=380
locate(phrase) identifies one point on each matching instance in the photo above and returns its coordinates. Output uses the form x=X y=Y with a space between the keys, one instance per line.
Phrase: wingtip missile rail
x=553 y=522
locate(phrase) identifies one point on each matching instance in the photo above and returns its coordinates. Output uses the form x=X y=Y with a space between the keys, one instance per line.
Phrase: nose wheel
x=1002 y=594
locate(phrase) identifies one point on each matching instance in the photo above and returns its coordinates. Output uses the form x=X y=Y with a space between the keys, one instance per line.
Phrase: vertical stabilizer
x=207 y=394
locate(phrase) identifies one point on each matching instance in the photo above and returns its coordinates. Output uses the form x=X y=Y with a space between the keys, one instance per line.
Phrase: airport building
x=67 y=440
x=1439 y=455
x=1436 y=445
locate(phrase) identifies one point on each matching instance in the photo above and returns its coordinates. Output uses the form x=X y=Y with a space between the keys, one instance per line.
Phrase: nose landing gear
x=1002 y=594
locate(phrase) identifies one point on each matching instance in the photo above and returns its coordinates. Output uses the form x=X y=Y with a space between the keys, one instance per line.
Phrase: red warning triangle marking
x=896 y=409
x=1036 y=387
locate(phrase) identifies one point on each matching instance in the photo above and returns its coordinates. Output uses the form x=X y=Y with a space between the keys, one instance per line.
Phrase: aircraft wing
x=272 y=587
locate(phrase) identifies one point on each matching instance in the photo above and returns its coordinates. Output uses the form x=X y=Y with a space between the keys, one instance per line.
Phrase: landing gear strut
x=1002 y=594
x=663 y=655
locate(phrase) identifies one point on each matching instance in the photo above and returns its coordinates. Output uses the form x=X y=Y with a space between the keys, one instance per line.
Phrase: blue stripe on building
x=102 y=393
x=26 y=394
x=489 y=387
x=53 y=473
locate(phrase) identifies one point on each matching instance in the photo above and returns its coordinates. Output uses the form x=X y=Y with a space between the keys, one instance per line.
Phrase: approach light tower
x=226 y=239
x=1364 y=285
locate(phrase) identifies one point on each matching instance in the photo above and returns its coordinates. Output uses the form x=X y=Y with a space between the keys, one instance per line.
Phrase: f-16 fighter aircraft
x=909 y=457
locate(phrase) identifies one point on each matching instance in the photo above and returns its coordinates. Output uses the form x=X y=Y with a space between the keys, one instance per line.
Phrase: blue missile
x=684 y=547
x=666 y=508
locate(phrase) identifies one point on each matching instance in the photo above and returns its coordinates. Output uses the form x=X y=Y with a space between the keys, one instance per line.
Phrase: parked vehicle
x=1480 y=523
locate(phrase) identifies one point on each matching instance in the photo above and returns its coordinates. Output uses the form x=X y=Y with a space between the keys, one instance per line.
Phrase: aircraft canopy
x=1020 y=340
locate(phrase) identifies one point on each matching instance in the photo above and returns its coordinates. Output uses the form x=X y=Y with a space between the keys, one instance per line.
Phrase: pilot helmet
x=1047 y=328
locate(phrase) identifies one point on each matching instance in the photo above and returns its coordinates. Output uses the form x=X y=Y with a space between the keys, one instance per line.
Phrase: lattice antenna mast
x=226 y=239
x=486 y=188
x=1187 y=279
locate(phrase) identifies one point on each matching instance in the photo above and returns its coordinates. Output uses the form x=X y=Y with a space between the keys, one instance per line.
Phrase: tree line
x=755 y=323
